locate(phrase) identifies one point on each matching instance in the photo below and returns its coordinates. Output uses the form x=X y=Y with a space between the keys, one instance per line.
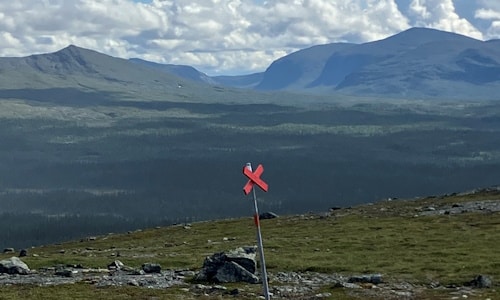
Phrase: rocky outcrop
x=14 y=265
x=237 y=265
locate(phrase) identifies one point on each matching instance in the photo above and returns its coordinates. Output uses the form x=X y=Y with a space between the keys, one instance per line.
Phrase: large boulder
x=237 y=265
x=14 y=265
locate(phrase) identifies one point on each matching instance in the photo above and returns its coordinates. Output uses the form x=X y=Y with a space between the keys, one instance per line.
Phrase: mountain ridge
x=418 y=63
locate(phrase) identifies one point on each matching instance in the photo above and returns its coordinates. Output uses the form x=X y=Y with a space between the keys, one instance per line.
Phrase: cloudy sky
x=227 y=36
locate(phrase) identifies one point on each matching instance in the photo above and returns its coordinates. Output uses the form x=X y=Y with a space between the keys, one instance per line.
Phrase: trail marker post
x=254 y=179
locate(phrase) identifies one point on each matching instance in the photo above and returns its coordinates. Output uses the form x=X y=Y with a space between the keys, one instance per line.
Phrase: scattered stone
x=133 y=282
x=219 y=287
x=23 y=253
x=151 y=268
x=323 y=295
x=185 y=273
x=267 y=215
x=65 y=272
x=370 y=278
x=234 y=292
x=116 y=265
x=9 y=250
x=14 y=265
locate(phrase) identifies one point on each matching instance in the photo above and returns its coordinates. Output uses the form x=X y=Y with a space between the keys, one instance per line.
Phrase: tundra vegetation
x=433 y=245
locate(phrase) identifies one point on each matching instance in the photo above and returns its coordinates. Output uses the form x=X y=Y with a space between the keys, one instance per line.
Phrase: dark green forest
x=73 y=170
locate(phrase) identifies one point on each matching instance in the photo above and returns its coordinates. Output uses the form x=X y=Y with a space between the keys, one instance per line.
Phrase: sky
x=227 y=37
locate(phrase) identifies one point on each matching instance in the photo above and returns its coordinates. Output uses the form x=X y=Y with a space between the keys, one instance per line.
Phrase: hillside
x=428 y=248
x=78 y=76
x=417 y=63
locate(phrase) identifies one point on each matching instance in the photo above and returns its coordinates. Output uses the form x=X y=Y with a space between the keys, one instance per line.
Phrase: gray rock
x=233 y=272
x=14 y=265
x=151 y=268
x=481 y=282
x=9 y=250
x=65 y=272
x=370 y=278
x=116 y=265
x=237 y=265
x=245 y=257
x=267 y=215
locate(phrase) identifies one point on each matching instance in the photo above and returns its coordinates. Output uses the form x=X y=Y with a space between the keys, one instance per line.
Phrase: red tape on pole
x=256 y=220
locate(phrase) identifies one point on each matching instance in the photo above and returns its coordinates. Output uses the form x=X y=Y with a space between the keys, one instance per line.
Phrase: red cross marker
x=254 y=178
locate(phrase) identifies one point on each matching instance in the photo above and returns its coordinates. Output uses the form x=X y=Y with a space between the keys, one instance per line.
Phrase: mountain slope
x=416 y=63
x=298 y=69
x=75 y=72
x=182 y=71
x=240 y=81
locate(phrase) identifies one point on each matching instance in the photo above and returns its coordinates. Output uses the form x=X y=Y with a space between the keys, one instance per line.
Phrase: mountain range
x=417 y=63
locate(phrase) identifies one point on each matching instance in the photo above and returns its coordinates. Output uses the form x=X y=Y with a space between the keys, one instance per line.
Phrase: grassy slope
x=385 y=237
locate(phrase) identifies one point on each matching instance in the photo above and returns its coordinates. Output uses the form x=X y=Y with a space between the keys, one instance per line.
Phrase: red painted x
x=254 y=179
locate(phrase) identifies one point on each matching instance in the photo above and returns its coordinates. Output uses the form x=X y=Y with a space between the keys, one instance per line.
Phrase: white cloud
x=441 y=14
x=217 y=36
x=490 y=12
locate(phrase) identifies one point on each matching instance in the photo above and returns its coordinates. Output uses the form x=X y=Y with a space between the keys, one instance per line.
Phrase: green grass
x=385 y=238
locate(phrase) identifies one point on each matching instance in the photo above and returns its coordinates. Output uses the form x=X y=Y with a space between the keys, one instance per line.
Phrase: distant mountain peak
x=415 y=63
x=421 y=35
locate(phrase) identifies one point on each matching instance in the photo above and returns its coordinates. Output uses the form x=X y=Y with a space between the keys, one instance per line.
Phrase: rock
x=267 y=215
x=116 y=265
x=481 y=282
x=133 y=282
x=234 y=292
x=322 y=295
x=151 y=268
x=237 y=265
x=14 y=265
x=23 y=253
x=370 y=278
x=245 y=257
x=65 y=272
x=119 y=266
x=233 y=272
x=9 y=250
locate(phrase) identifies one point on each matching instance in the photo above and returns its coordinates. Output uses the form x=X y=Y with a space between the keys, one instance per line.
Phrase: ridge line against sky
x=227 y=37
